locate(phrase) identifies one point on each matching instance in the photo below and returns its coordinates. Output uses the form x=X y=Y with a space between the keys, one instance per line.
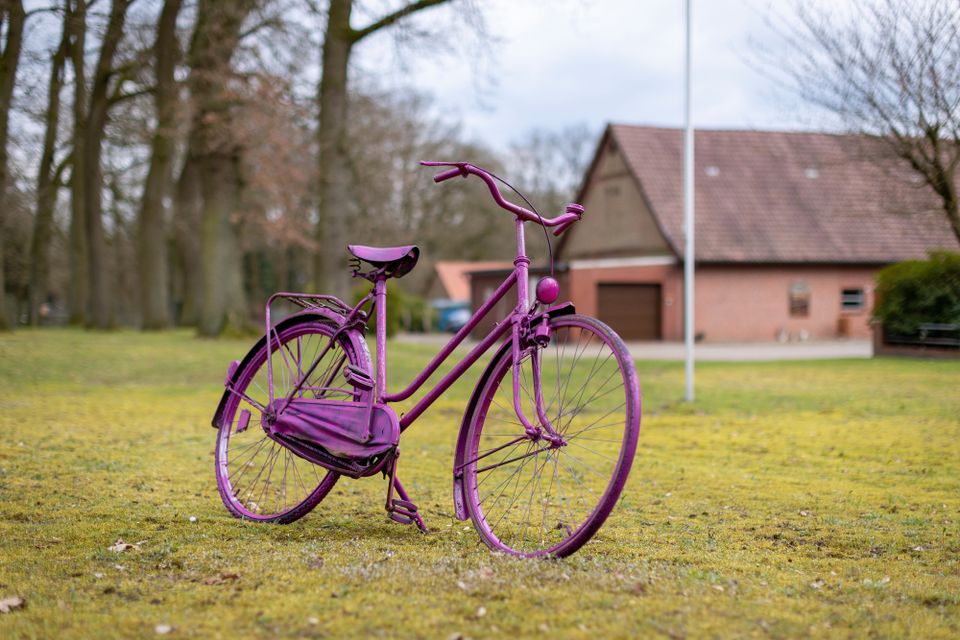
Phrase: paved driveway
x=747 y=351
x=729 y=351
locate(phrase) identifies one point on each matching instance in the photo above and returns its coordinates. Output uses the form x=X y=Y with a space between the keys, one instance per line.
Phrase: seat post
x=380 y=304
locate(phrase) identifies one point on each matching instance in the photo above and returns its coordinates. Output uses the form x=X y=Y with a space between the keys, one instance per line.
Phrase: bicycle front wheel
x=527 y=497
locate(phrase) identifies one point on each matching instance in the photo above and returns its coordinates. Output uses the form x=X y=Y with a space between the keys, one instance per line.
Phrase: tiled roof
x=769 y=196
x=455 y=279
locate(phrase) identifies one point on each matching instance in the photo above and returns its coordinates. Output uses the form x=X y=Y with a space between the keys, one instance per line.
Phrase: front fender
x=459 y=491
x=236 y=368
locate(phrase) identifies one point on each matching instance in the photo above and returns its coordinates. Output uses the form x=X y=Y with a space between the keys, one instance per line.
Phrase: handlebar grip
x=446 y=175
x=563 y=227
x=572 y=208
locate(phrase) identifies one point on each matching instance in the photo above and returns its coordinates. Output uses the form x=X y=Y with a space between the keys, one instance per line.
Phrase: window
x=799 y=300
x=852 y=299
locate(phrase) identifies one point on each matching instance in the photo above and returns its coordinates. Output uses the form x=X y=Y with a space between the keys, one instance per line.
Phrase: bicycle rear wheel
x=529 y=498
x=259 y=479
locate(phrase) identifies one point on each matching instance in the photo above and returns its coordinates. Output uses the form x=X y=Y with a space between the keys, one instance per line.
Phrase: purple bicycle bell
x=548 y=290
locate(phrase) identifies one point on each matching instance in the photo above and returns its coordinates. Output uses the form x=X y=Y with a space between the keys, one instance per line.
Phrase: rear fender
x=236 y=368
x=459 y=490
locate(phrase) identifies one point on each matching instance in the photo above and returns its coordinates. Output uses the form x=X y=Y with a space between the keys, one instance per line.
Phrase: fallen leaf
x=10 y=603
x=461 y=585
x=313 y=621
x=718 y=588
x=120 y=546
x=223 y=578
x=817 y=584
x=481 y=611
x=162 y=629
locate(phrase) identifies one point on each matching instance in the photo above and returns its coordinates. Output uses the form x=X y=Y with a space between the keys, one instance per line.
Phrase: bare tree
x=154 y=298
x=216 y=157
x=388 y=134
x=885 y=68
x=334 y=186
x=78 y=290
x=12 y=17
x=100 y=309
x=48 y=184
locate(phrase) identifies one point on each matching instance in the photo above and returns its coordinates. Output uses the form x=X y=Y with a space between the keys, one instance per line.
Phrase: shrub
x=404 y=310
x=915 y=292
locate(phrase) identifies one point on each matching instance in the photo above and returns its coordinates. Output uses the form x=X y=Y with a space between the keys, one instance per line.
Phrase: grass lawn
x=793 y=499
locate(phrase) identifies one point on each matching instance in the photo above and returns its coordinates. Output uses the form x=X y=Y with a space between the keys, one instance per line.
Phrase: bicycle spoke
x=260 y=478
x=544 y=505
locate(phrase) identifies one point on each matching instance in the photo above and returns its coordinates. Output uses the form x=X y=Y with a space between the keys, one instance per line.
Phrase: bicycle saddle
x=395 y=261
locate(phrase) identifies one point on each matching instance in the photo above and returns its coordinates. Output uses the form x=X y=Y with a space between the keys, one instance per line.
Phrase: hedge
x=916 y=292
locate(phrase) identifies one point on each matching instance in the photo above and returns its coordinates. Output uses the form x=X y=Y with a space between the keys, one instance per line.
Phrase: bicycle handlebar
x=562 y=222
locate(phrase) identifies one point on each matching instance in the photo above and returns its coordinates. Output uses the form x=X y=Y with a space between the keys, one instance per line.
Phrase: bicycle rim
x=258 y=478
x=527 y=498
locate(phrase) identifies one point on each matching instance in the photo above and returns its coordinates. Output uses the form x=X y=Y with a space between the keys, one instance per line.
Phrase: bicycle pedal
x=404 y=512
x=405 y=504
x=358 y=378
x=402 y=519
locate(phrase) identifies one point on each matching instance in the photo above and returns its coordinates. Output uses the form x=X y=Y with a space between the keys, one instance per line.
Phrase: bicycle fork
x=539 y=338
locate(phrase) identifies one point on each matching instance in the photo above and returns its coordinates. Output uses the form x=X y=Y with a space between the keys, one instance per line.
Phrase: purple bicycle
x=547 y=438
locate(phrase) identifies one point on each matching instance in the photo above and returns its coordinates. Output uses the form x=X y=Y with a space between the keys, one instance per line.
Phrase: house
x=453 y=278
x=790 y=229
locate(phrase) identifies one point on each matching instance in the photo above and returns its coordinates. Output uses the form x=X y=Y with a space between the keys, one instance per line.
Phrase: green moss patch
x=792 y=500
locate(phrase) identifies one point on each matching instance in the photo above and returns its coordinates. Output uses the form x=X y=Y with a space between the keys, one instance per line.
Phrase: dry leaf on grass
x=120 y=546
x=162 y=629
x=223 y=578
x=10 y=603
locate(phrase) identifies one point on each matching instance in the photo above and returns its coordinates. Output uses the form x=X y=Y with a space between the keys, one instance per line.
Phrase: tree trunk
x=334 y=178
x=78 y=294
x=224 y=301
x=217 y=157
x=946 y=187
x=154 y=298
x=100 y=305
x=186 y=230
x=14 y=16
x=334 y=193
x=48 y=179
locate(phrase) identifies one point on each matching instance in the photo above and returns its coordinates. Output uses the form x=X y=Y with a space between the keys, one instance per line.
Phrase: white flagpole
x=688 y=255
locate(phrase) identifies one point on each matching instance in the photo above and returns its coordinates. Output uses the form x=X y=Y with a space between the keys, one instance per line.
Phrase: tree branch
x=387 y=20
x=58 y=172
x=118 y=96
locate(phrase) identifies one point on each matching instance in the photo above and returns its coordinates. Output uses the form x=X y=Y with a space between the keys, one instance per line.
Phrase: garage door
x=633 y=310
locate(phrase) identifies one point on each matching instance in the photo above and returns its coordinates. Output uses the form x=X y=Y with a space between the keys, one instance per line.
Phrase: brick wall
x=742 y=303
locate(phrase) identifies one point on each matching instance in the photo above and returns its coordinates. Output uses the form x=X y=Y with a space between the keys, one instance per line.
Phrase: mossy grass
x=792 y=499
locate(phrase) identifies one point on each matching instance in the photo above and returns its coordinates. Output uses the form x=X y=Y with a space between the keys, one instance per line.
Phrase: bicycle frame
x=517 y=323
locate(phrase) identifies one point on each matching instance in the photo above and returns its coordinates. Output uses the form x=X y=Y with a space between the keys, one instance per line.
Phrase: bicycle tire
x=248 y=453
x=572 y=400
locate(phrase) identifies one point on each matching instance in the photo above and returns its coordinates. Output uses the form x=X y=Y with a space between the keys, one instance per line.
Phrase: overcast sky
x=596 y=61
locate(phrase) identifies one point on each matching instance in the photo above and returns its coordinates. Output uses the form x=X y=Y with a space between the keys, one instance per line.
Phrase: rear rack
x=308 y=301
x=312 y=301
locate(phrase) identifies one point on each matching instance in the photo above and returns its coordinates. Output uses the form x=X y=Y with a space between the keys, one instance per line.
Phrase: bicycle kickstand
x=401 y=509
